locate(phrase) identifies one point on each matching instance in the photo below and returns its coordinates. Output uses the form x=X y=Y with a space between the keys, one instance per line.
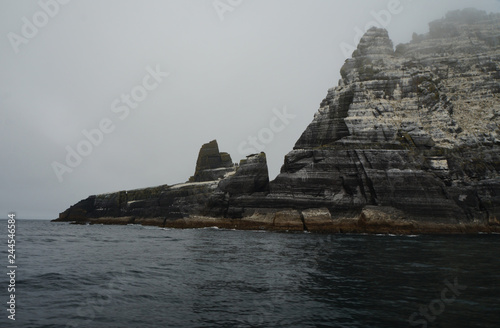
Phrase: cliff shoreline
x=353 y=226
x=407 y=143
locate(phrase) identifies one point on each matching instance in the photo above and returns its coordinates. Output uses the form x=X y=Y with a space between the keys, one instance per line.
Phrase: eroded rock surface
x=415 y=129
x=409 y=140
x=215 y=187
x=212 y=164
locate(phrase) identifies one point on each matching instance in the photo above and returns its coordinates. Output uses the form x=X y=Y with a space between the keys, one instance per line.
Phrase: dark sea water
x=134 y=276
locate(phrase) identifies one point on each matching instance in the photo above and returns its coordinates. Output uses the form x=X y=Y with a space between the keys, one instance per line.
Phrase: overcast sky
x=152 y=80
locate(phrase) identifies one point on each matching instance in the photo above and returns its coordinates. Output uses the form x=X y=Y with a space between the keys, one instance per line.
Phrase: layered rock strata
x=217 y=184
x=408 y=142
x=212 y=164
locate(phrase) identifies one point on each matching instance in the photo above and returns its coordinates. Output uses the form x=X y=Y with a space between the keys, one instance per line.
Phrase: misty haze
x=250 y=163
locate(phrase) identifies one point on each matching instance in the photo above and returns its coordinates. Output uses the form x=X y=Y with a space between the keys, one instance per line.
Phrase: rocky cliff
x=409 y=141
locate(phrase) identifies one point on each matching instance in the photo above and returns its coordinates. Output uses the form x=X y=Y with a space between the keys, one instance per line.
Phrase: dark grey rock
x=212 y=164
x=410 y=135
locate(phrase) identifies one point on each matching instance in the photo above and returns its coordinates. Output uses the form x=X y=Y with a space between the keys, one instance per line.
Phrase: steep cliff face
x=410 y=136
x=415 y=129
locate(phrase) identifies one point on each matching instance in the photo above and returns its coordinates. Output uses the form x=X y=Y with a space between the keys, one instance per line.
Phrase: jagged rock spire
x=212 y=164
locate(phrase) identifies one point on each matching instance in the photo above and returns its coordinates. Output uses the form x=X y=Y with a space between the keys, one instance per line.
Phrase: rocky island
x=408 y=142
